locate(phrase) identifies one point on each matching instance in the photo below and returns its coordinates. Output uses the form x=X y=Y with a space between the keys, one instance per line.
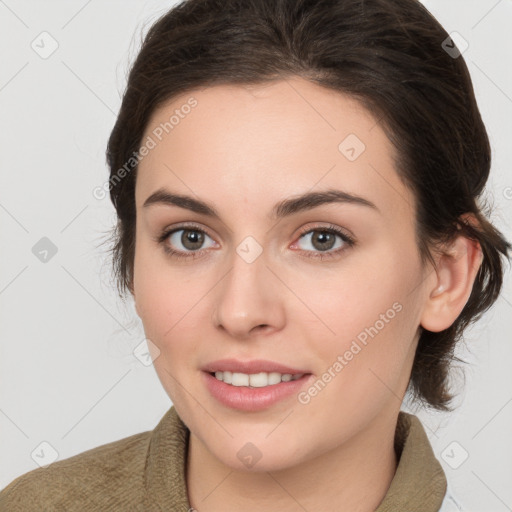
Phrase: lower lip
x=244 y=398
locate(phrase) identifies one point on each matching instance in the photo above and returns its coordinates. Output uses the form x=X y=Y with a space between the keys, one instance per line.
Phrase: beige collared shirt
x=146 y=472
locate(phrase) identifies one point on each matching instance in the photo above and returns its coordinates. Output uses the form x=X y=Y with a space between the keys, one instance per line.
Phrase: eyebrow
x=282 y=209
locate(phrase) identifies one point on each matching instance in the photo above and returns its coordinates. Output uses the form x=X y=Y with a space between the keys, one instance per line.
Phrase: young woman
x=297 y=185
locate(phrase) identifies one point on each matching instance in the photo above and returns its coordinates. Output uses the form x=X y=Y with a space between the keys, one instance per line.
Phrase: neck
x=354 y=476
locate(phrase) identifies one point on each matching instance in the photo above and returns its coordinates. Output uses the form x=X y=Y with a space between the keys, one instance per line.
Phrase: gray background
x=68 y=375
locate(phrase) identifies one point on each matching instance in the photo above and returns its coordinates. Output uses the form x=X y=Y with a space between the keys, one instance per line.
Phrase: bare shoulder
x=99 y=477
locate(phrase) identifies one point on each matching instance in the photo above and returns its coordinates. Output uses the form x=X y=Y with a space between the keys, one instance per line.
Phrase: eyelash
x=348 y=240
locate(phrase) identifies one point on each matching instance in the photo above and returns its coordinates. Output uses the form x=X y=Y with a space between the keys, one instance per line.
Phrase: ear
x=454 y=277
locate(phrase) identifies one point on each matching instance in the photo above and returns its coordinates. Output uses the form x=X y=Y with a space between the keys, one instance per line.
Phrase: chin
x=259 y=455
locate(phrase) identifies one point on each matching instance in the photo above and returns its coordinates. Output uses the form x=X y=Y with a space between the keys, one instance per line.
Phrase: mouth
x=253 y=385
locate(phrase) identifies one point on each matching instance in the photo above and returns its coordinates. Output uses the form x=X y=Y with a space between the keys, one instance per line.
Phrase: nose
x=249 y=300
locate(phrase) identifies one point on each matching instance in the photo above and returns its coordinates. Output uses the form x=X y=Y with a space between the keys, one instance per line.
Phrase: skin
x=243 y=149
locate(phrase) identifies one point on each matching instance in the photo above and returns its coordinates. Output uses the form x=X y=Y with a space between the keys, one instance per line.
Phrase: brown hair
x=391 y=56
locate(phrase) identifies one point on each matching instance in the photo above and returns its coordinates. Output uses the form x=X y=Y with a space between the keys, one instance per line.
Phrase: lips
x=253 y=399
x=251 y=367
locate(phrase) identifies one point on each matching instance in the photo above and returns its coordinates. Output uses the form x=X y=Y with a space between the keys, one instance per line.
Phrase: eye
x=324 y=242
x=320 y=242
x=185 y=241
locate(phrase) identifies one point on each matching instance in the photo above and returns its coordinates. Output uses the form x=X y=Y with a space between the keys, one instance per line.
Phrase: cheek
x=154 y=305
x=338 y=305
x=171 y=306
x=364 y=368
x=168 y=305
x=367 y=317
x=161 y=298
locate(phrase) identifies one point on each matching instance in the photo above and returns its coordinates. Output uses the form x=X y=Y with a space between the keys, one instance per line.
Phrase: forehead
x=268 y=141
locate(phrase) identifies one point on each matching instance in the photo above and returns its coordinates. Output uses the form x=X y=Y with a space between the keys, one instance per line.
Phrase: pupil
x=323 y=240
x=192 y=239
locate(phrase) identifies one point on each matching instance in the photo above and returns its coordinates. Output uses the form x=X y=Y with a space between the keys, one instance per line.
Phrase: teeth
x=240 y=379
x=255 y=380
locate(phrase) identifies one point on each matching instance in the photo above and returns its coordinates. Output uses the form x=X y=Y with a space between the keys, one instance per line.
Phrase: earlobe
x=455 y=274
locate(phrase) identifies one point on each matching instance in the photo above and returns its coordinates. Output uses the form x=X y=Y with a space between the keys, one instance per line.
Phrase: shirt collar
x=419 y=483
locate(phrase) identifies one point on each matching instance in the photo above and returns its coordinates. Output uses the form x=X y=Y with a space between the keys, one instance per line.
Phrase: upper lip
x=250 y=367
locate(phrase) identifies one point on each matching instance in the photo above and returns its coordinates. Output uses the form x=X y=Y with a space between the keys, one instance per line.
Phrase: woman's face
x=259 y=281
